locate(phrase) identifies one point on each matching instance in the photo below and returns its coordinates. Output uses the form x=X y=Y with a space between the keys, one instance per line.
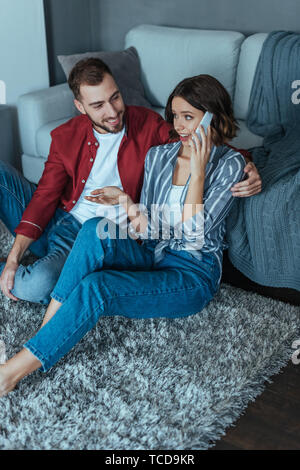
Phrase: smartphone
x=205 y=122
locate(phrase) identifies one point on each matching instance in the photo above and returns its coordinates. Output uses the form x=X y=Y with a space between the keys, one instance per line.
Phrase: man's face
x=103 y=104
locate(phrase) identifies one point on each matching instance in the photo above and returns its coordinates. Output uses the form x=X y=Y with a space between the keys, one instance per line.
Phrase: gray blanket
x=263 y=231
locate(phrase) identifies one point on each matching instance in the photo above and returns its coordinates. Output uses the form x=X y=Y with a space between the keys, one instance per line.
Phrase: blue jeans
x=107 y=276
x=34 y=283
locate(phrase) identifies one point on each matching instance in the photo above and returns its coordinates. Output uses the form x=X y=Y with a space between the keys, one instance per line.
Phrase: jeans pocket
x=65 y=220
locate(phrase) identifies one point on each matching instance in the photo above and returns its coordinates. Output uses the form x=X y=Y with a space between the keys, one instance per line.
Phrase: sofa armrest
x=8 y=144
x=39 y=108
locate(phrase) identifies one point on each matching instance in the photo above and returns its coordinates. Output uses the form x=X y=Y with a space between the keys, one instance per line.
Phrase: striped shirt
x=205 y=231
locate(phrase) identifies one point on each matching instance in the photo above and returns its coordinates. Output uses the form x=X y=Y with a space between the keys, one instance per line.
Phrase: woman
x=176 y=270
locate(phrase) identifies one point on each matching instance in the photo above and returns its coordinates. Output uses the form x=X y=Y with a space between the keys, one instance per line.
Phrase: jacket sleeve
x=217 y=203
x=46 y=197
x=247 y=155
x=163 y=131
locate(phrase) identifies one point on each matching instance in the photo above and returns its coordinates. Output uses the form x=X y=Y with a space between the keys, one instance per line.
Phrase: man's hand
x=251 y=185
x=7 y=279
x=110 y=195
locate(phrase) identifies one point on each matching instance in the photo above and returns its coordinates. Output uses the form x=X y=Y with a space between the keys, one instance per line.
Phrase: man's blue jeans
x=108 y=276
x=35 y=282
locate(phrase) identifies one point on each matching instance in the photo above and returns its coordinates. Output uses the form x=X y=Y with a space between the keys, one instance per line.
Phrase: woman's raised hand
x=110 y=195
x=200 y=151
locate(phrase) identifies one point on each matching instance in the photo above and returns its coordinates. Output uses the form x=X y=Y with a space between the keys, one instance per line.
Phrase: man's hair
x=89 y=71
x=206 y=93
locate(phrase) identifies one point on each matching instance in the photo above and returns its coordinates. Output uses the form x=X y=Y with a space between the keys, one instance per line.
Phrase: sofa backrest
x=169 y=55
x=249 y=56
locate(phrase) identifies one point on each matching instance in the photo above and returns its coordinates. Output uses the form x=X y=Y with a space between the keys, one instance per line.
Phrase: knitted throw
x=263 y=231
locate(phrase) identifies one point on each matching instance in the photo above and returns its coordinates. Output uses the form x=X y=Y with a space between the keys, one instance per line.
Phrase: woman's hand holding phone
x=200 y=152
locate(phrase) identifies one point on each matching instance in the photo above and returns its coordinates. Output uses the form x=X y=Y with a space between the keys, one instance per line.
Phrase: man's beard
x=115 y=130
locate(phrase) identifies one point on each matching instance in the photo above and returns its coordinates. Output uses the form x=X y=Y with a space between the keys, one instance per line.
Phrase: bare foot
x=6 y=385
x=2 y=352
x=17 y=367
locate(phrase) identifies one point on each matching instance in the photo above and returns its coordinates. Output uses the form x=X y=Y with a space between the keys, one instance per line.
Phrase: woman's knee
x=101 y=228
x=89 y=291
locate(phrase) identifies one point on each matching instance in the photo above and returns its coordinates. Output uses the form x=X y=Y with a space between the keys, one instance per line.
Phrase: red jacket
x=72 y=154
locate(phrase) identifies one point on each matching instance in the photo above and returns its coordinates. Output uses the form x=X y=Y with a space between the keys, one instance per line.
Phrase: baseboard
x=233 y=276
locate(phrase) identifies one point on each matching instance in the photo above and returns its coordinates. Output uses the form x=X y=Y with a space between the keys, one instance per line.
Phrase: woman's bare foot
x=24 y=362
x=19 y=366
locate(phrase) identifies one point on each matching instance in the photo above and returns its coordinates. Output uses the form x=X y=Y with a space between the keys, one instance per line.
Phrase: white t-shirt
x=104 y=173
x=173 y=204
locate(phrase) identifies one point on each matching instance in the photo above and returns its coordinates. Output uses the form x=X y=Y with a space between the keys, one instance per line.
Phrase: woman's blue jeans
x=34 y=283
x=109 y=276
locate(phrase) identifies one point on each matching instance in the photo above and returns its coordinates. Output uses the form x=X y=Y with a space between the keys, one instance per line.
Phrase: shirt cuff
x=29 y=229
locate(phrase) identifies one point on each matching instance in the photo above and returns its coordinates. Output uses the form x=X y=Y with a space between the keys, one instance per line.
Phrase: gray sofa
x=8 y=144
x=167 y=55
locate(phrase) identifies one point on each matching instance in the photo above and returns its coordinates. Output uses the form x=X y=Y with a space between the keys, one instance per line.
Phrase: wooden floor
x=272 y=422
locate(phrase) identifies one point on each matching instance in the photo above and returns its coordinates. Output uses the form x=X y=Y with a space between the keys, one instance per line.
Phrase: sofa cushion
x=125 y=67
x=33 y=167
x=168 y=55
x=43 y=137
x=245 y=138
x=249 y=56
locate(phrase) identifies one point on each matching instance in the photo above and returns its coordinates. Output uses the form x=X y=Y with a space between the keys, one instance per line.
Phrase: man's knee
x=35 y=283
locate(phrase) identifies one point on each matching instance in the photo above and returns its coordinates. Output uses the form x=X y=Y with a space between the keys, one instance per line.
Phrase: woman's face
x=186 y=119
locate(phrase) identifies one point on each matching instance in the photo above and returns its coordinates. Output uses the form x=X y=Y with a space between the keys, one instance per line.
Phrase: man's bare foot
x=6 y=384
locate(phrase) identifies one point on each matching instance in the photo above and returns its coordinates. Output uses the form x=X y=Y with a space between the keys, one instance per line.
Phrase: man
x=105 y=146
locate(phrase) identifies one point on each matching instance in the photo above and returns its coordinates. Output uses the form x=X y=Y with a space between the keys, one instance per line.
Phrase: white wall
x=23 y=52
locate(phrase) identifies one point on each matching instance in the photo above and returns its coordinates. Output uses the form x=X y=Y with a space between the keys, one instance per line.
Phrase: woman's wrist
x=126 y=202
x=197 y=178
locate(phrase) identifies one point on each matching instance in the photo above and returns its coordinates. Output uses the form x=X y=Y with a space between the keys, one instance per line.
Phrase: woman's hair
x=89 y=71
x=206 y=93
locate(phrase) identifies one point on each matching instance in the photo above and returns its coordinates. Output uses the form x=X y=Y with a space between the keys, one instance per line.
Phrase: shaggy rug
x=146 y=384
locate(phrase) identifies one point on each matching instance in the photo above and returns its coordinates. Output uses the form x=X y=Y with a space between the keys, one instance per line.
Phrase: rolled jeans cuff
x=45 y=364
x=57 y=297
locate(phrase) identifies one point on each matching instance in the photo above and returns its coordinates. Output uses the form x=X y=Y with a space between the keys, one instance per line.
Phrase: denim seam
x=98 y=308
x=153 y=292
x=9 y=191
x=134 y=294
